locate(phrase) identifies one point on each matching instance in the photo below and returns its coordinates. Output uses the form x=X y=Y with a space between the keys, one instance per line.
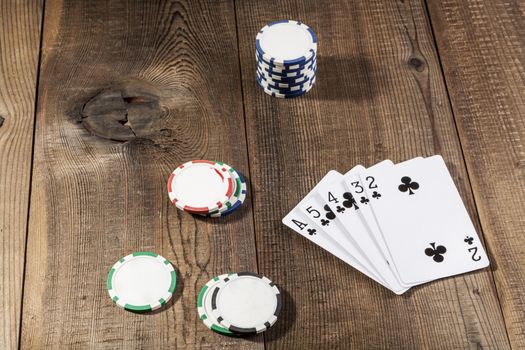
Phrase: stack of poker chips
x=239 y=304
x=285 y=52
x=207 y=188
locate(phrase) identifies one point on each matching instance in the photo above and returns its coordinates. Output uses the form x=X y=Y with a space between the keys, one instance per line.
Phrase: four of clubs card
x=400 y=224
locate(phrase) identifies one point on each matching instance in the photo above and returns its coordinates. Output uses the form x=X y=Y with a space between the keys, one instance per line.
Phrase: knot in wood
x=2 y=119
x=121 y=114
x=417 y=64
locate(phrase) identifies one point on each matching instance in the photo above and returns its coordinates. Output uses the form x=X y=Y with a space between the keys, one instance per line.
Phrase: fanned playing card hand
x=400 y=224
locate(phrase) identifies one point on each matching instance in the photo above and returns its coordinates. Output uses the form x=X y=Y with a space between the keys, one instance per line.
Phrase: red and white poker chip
x=200 y=186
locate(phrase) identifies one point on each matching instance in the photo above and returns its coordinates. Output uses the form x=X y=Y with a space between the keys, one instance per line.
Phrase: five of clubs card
x=400 y=224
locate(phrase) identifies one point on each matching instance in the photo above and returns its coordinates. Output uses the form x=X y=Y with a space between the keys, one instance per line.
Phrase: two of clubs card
x=400 y=224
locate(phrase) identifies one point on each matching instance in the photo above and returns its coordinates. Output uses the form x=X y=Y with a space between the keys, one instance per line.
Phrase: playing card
x=357 y=188
x=301 y=224
x=314 y=208
x=353 y=183
x=422 y=220
x=346 y=213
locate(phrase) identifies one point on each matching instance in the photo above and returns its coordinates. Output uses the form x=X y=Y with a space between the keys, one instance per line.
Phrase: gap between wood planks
x=39 y=62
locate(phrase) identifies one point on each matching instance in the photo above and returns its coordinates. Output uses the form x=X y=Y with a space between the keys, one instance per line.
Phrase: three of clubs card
x=400 y=224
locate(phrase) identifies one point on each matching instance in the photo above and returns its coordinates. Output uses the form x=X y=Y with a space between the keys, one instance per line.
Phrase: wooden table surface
x=396 y=80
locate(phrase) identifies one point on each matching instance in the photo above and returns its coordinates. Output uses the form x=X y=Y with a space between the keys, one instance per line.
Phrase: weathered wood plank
x=379 y=94
x=99 y=188
x=20 y=23
x=482 y=49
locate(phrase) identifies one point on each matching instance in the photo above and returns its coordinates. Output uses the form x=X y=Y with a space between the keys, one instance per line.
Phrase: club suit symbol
x=408 y=185
x=330 y=215
x=469 y=240
x=436 y=252
x=349 y=201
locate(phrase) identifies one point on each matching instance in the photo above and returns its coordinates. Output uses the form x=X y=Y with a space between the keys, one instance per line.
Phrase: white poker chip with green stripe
x=141 y=281
x=204 y=305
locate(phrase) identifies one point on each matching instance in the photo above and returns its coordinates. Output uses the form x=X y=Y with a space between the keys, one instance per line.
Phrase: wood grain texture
x=20 y=23
x=173 y=68
x=482 y=48
x=380 y=95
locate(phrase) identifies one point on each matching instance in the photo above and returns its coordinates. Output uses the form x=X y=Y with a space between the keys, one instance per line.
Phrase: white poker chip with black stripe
x=246 y=303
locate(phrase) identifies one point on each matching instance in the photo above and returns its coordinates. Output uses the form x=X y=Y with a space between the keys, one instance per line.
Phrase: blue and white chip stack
x=286 y=58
